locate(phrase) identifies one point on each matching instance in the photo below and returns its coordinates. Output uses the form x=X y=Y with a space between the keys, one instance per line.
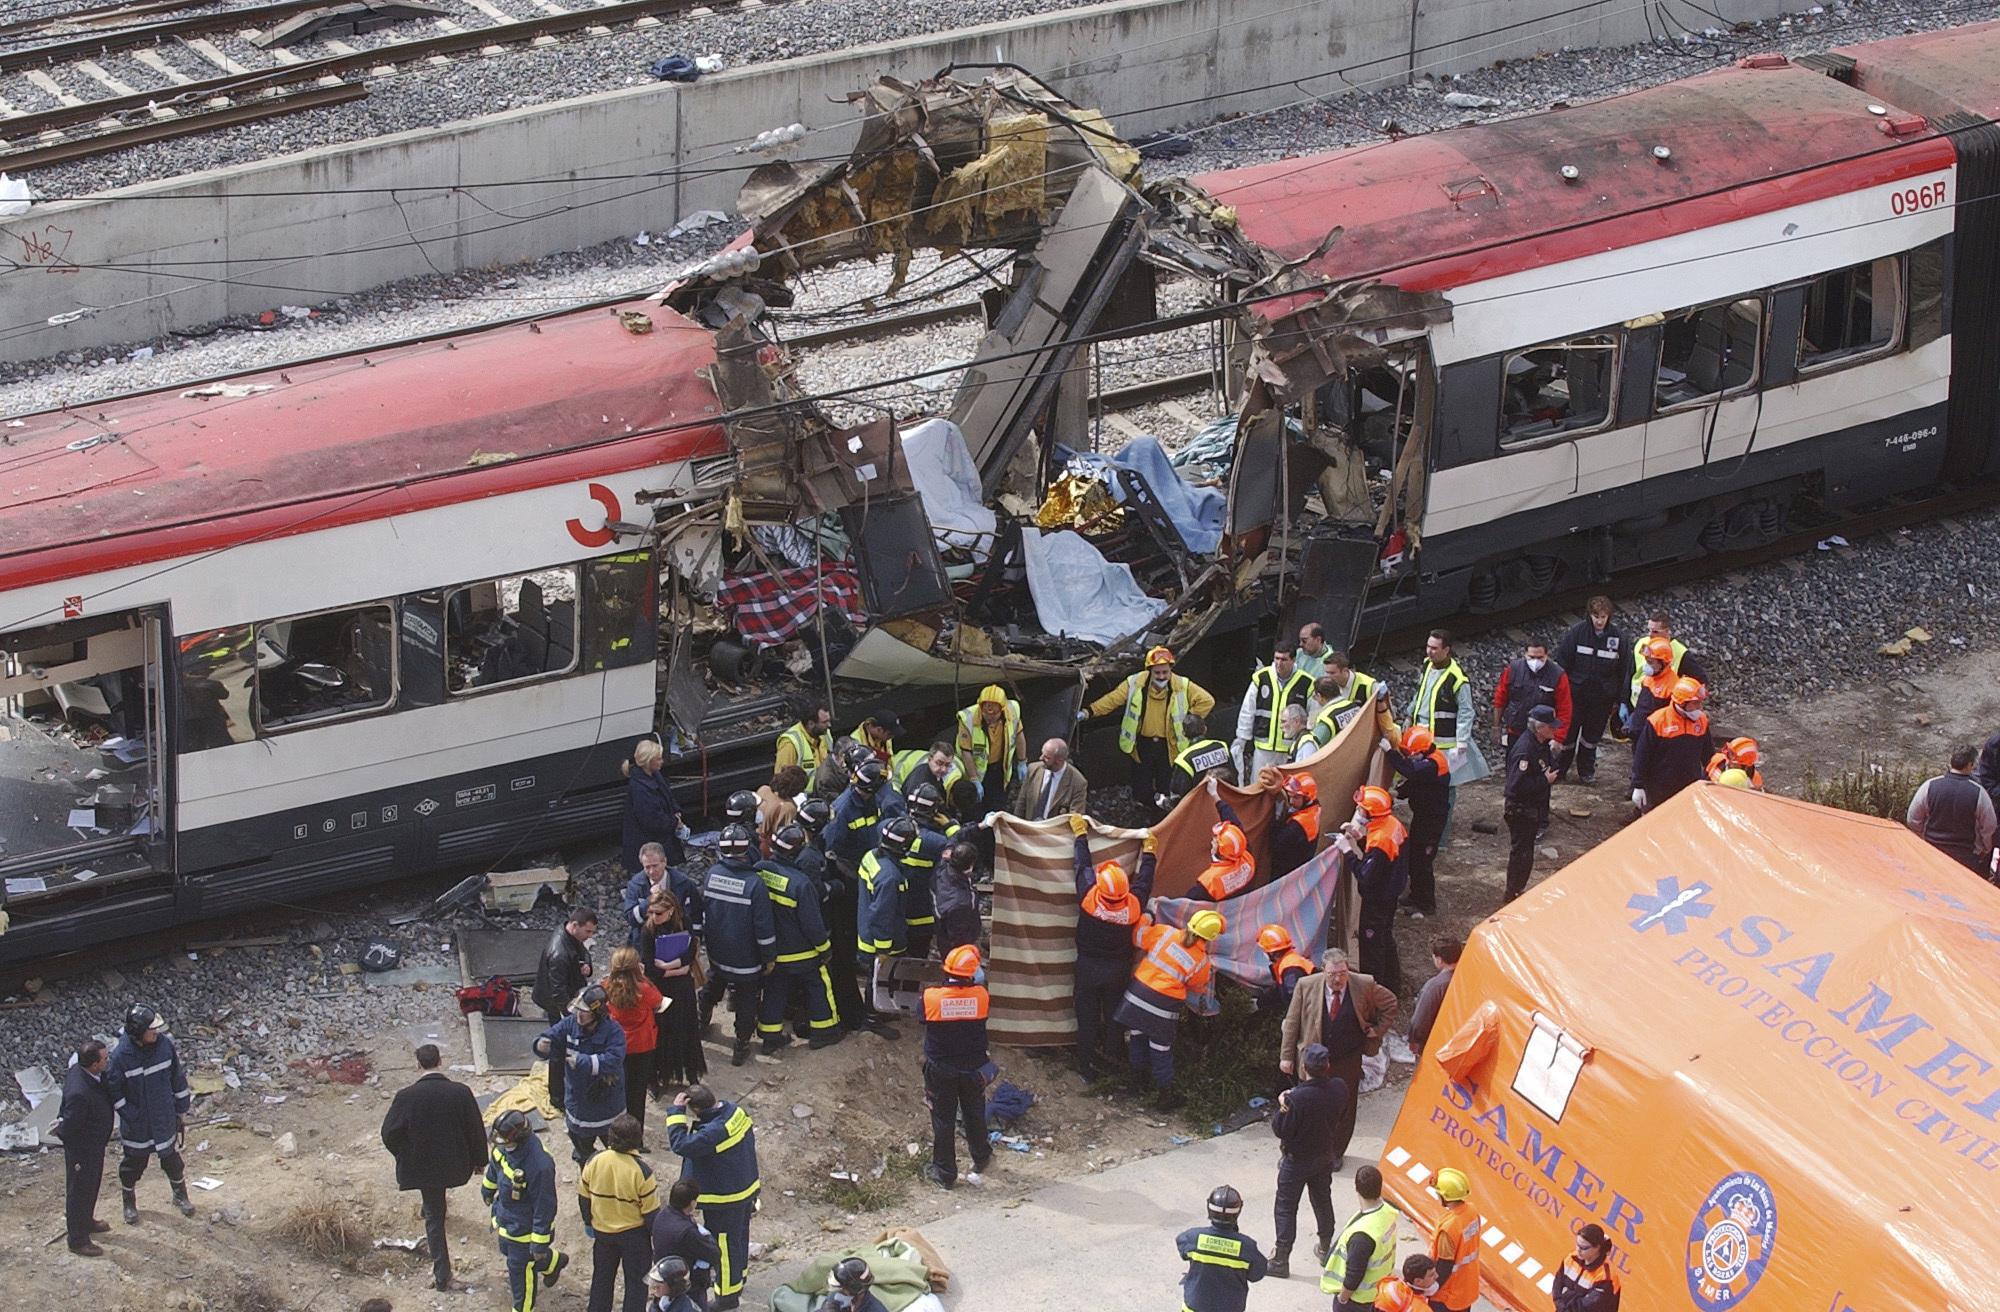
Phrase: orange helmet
x=1743 y=752
x=1112 y=885
x=1302 y=790
x=1374 y=800
x=1688 y=692
x=1230 y=845
x=1659 y=649
x=1418 y=740
x=1273 y=938
x=962 y=962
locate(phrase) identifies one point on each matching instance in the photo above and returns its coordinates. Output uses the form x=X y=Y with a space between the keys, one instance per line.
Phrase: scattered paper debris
x=1918 y=634
x=694 y=222
x=27 y=884
x=1466 y=100
x=36 y=1084
x=208 y=1182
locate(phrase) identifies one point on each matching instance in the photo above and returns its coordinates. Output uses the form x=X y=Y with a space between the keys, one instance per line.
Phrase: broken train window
x=1563 y=389
x=1708 y=351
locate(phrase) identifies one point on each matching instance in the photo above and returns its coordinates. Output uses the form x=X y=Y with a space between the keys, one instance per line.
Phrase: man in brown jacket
x=1346 y=1012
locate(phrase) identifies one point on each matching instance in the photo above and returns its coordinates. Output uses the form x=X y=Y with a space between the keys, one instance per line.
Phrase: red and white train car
x=1675 y=316
x=363 y=616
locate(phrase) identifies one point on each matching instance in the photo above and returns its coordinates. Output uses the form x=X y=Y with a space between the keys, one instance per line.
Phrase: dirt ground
x=856 y=1108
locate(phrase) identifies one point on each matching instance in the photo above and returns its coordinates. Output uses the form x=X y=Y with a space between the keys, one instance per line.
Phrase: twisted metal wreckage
x=1005 y=164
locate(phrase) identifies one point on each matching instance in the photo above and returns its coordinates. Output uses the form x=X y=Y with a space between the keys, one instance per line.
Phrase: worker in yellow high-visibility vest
x=1157 y=703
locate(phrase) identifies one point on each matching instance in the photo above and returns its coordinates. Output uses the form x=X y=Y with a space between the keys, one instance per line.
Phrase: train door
x=83 y=753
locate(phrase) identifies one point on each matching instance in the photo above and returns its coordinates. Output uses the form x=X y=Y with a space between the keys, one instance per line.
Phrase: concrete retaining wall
x=219 y=248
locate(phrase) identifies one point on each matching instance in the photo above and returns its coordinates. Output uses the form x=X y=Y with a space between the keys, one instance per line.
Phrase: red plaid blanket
x=768 y=609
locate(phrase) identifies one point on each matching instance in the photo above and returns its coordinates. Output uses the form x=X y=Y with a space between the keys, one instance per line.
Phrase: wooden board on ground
x=500 y=1043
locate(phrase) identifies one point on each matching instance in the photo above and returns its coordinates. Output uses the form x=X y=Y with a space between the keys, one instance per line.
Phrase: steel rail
x=166 y=129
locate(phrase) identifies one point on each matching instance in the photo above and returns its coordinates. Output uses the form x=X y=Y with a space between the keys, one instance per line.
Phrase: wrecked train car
x=402 y=610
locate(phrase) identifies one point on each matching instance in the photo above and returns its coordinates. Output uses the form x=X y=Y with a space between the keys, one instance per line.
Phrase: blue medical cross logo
x=1670 y=906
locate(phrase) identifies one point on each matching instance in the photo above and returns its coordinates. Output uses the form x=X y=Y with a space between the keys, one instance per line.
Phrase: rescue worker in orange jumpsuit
x=1295 y=836
x=1371 y=849
x=1412 y=1290
x=957 y=1066
x=1738 y=754
x=1287 y=966
x=1110 y=905
x=1230 y=869
x=1173 y=962
x=1671 y=748
x=1654 y=687
x=1455 y=1246
x=1587 y=1282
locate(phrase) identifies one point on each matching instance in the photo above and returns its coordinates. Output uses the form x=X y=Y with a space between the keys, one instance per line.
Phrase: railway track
x=78 y=94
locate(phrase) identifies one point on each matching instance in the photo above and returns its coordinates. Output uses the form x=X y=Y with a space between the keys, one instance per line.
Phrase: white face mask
x=1654 y=667
x=1536 y=663
x=1159 y=678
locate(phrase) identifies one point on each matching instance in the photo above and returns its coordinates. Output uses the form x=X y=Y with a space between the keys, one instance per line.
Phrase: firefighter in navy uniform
x=520 y=1187
x=592 y=1046
x=1223 y=1262
x=859 y=811
x=1203 y=758
x=849 y=1288
x=1110 y=907
x=839 y=894
x=879 y=926
x=935 y=832
x=718 y=1149
x=957 y=1066
x=802 y=948
x=1425 y=781
x=1672 y=747
x=1592 y=652
x=742 y=934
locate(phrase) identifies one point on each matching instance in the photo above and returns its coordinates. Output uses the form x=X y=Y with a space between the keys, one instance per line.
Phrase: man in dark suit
x=84 y=1125
x=677 y=1233
x=435 y=1133
x=1053 y=786
x=1348 y=1013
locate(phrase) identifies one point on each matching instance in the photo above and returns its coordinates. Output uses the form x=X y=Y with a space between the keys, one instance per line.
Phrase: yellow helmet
x=1734 y=777
x=1159 y=656
x=1452 y=1186
x=1206 y=925
x=993 y=693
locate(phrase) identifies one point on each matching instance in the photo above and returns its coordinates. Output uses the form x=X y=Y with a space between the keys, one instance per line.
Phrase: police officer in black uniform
x=1531 y=768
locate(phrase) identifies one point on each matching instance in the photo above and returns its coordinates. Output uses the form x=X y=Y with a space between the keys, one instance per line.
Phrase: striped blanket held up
x=1032 y=970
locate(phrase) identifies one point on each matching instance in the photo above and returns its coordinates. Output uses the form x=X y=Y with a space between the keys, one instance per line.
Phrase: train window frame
x=1834 y=361
x=1618 y=343
x=1749 y=385
x=576 y=571
x=266 y=729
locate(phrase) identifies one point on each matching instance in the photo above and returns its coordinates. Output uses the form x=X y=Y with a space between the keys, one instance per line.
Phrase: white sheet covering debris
x=947 y=480
x=1080 y=594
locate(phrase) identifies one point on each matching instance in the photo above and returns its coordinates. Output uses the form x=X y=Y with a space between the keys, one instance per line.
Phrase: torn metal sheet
x=1062 y=287
x=1299 y=345
x=896 y=557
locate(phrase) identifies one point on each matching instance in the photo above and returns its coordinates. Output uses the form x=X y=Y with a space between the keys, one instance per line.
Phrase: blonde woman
x=635 y=1004
x=651 y=814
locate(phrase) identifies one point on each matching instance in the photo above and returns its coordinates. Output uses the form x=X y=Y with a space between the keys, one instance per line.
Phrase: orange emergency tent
x=1758 y=1041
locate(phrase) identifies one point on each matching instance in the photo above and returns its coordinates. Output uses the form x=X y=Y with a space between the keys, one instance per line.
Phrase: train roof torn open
x=995 y=534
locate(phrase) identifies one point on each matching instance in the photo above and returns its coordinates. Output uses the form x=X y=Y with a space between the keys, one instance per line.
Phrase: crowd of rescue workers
x=862 y=856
